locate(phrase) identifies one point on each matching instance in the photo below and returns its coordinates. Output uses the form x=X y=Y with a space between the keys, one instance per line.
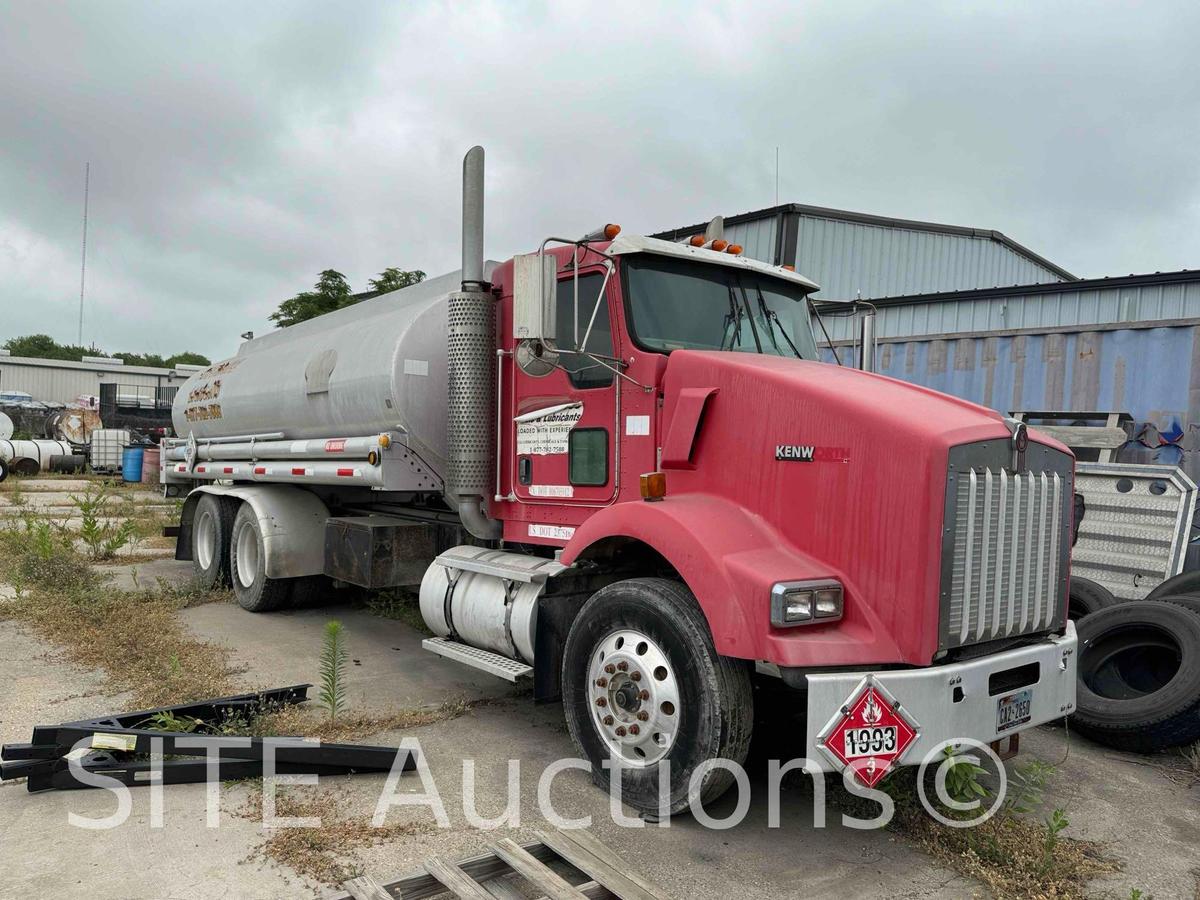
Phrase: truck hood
x=848 y=468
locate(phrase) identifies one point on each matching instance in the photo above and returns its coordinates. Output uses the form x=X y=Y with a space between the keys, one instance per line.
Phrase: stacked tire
x=1139 y=666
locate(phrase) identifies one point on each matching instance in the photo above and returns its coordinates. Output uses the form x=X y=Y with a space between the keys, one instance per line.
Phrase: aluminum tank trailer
x=617 y=466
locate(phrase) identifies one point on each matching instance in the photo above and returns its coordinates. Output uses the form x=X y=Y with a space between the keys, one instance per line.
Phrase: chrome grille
x=1007 y=550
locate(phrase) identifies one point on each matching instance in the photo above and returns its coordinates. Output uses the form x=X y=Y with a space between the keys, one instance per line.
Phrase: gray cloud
x=238 y=149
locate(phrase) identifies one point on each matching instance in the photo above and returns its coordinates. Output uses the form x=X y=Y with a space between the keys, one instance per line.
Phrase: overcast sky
x=237 y=149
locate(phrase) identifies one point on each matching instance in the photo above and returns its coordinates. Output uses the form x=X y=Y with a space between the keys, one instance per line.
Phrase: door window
x=583 y=371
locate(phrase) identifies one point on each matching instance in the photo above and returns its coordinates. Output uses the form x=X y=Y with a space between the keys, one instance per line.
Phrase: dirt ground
x=1145 y=811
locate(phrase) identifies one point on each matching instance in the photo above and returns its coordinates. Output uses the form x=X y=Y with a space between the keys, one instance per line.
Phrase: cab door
x=563 y=427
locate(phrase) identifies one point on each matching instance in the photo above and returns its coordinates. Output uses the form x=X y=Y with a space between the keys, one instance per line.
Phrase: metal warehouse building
x=61 y=381
x=853 y=254
x=972 y=313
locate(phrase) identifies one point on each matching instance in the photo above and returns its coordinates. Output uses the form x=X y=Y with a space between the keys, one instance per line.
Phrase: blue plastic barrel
x=131 y=464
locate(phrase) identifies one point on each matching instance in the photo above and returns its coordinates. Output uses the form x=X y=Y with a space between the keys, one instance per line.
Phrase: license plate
x=1013 y=710
x=869 y=741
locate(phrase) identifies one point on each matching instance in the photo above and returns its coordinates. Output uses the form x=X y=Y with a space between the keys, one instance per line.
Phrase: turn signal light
x=654 y=486
x=385 y=441
x=373 y=457
x=697 y=240
x=735 y=249
x=720 y=245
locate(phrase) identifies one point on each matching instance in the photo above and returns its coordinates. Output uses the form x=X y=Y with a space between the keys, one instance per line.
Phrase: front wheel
x=643 y=685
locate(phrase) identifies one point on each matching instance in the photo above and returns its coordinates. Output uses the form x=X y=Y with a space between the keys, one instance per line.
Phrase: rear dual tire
x=228 y=551
x=211 y=528
x=255 y=592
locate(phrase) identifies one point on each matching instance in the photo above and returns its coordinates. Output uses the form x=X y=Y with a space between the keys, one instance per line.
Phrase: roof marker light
x=603 y=233
x=788 y=268
x=696 y=240
x=719 y=245
x=735 y=249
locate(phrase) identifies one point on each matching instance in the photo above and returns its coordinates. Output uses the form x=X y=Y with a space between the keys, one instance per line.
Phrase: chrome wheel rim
x=633 y=694
x=206 y=541
x=247 y=556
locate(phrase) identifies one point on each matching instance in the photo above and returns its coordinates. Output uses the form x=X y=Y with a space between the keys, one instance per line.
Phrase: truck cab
x=661 y=494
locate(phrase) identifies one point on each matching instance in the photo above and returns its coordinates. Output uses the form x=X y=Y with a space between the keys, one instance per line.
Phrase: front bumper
x=957 y=700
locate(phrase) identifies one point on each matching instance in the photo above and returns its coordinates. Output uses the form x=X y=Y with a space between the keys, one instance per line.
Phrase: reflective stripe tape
x=299 y=471
x=199 y=468
x=229 y=470
x=346 y=473
x=260 y=470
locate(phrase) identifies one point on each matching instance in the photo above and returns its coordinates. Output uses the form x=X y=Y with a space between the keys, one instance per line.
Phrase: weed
x=1054 y=826
x=1014 y=856
x=401 y=605
x=135 y=637
x=102 y=538
x=333 y=669
x=1191 y=756
x=1025 y=787
x=169 y=721
x=323 y=854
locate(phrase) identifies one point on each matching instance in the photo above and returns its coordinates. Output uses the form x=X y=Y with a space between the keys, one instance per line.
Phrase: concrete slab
x=388 y=669
x=141 y=575
x=1142 y=807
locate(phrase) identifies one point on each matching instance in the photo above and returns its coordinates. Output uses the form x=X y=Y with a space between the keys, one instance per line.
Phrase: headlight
x=805 y=603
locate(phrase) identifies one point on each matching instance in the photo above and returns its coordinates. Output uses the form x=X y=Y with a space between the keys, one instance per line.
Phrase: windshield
x=680 y=304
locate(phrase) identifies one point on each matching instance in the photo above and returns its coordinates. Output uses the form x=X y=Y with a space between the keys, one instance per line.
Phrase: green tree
x=142 y=359
x=329 y=293
x=188 y=358
x=392 y=279
x=333 y=292
x=42 y=346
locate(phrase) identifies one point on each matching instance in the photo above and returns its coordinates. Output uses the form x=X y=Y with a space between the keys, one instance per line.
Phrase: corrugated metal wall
x=758 y=237
x=848 y=258
x=1091 y=303
x=62 y=384
x=1152 y=373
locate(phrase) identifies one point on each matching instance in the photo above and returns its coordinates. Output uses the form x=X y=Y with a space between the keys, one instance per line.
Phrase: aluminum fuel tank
x=379 y=365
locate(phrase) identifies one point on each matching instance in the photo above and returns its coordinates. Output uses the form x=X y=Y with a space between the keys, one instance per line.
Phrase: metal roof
x=852 y=253
x=1123 y=301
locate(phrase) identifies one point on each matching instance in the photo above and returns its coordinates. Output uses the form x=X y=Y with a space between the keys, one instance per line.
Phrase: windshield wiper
x=773 y=317
x=750 y=316
x=734 y=318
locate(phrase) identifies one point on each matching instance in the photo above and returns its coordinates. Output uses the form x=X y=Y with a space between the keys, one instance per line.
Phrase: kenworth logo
x=794 y=452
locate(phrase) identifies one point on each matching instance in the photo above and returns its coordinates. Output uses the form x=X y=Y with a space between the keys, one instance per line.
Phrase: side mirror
x=534 y=297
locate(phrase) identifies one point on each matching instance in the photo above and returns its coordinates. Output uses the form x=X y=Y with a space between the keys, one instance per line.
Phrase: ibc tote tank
x=379 y=365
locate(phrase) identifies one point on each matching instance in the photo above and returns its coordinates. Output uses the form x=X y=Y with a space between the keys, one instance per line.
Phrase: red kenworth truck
x=618 y=466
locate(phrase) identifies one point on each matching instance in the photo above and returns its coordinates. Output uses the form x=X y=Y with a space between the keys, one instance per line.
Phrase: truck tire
x=1183 y=583
x=1187 y=601
x=1086 y=597
x=255 y=592
x=211 y=529
x=3 y=469
x=643 y=682
x=1139 y=676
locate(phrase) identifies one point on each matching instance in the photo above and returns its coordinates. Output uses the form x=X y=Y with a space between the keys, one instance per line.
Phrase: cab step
x=484 y=660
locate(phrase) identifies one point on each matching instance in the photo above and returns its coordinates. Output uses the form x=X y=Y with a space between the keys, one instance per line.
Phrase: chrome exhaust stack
x=471 y=370
x=866 y=341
